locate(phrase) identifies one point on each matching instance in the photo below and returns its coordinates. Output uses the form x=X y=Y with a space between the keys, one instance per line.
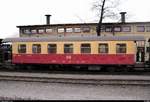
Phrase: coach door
x=140 y=52
x=140 y=56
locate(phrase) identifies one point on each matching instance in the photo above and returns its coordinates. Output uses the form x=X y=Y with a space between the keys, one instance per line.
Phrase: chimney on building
x=48 y=19
x=123 y=17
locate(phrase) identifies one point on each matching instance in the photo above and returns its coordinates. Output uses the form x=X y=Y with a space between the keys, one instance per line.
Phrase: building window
x=52 y=48
x=147 y=28
x=126 y=29
x=77 y=30
x=36 y=48
x=102 y=29
x=22 y=48
x=34 y=31
x=117 y=29
x=85 y=48
x=69 y=30
x=41 y=31
x=140 y=29
x=103 y=48
x=68 y=48
x=108 y=29
x=121 y=48
x=49 y=30
x=86 y=29
x=61 y=30
x=27 y=31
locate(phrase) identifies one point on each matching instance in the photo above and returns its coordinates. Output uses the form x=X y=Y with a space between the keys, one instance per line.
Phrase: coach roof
x=75 y=38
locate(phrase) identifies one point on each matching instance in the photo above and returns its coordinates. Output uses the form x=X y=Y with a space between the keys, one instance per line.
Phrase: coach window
x=121 y=48
x=68 y=48
x=36 y=48
x=52 y=48
x=22 y=48
x=103 y=48
x=85 y=48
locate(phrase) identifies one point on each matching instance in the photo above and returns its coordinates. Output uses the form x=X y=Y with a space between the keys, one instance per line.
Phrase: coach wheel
x=17 y=67
x=125 y=69
x=50 y=67
x=111 y=69
x=29 y=67
x=104 y=69
x=94 y=68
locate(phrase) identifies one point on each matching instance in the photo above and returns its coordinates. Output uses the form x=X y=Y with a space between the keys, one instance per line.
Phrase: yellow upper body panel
x=130 y=46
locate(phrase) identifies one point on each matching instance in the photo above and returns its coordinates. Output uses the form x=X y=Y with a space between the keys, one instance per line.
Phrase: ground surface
x=62 y=91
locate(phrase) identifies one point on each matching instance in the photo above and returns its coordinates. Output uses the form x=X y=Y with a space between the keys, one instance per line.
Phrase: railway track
x=117 y=71
x=76 y=79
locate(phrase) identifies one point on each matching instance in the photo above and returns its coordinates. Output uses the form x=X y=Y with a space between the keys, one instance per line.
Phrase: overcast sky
x=31 y=12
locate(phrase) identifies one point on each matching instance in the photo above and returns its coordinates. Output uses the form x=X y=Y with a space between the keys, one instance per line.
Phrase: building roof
x=68 y=24
x=75 y=38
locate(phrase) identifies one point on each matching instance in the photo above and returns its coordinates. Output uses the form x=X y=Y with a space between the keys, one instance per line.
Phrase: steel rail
x=75 y=80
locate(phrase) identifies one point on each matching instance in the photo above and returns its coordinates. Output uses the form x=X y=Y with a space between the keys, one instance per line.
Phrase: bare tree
x=105 y=8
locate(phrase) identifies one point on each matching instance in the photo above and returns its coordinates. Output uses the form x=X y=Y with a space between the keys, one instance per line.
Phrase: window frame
x=86 y=29
x=102 y=29
x=108 y=27
x=49 y=30
x=139 y=28
x=69 y=30
x=61 y=30
x=116 y=29
x=85 y=49
x=68 y=48
x=120 y=49
x=106 y=48
x=27 y=31
x=126 y=27
x=52 y=49
x=147 y=28
x=34 y=31
x=77 y=30
x=20 y=50
x=41 y=31
x=36 y=50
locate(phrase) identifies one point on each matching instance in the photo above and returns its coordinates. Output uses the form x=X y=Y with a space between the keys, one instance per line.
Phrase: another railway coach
x=75 y=50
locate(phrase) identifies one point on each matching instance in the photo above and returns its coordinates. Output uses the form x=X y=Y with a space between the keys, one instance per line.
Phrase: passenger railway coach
x=75 y=50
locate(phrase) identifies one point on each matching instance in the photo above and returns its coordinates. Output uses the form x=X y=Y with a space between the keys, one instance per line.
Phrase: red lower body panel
x=106 y=59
